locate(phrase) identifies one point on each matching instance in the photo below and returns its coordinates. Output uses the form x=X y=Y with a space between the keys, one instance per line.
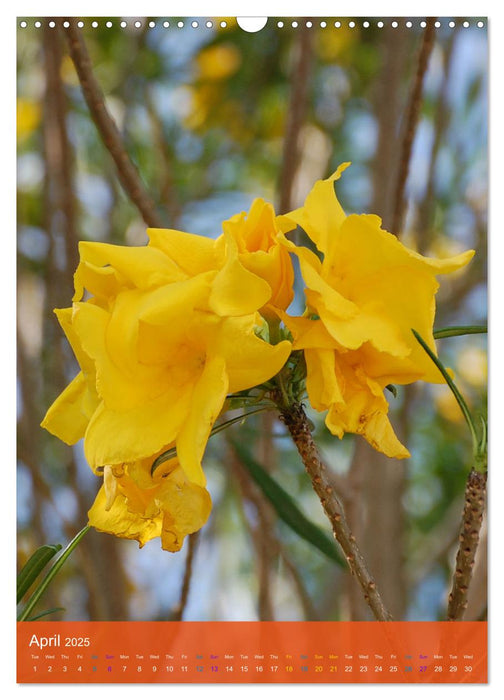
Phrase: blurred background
x=213 y=117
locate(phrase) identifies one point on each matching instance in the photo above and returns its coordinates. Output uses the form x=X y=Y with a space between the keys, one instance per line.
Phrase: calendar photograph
x=252 y=349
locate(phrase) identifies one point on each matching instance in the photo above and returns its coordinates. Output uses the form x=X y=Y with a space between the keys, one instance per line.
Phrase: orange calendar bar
x=252 y=652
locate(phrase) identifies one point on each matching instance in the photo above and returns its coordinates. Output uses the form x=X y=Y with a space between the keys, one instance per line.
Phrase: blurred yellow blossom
x=218 y=62
x=472 y=364
x=28 y=115
x=447 y=405
x=336 y=42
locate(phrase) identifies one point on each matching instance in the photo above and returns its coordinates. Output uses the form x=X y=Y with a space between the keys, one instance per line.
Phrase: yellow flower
x=260 y=251
x=132 y=504
x=363 y=298
x=167 y=331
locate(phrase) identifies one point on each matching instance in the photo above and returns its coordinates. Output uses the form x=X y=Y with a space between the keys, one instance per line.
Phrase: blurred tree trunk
x=377 y=483
x=99 y=561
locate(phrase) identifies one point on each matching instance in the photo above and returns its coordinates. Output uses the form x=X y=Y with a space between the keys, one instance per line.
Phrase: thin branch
x=309 y=610
x=261 y=533
x=186 y=583
x=411 y=121
x=59 y=150
x=109 y=133
x=296 y=112
x=475 y=496
x=297 y=423
x=440 y=123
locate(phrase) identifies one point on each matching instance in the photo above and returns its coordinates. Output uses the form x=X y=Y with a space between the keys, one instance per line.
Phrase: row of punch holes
x=281 y=23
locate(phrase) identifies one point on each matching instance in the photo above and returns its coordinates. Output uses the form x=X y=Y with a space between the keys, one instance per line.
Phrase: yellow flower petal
x=193 y=254
x=311 y=269
x=260 y=251
x=113 y=380
x=65 y=318
x=361 y=248
x=250 y=361
x=113 y=437
x=185 y=510
x=171 y=507
x=307 y=333
x=235 y=290
x=67 y=418
x=141 y=267
x=110 y=486
x=321 y=213
x=207 y=401
x=119 y=521
x=363 y=411
x=322 y=381
x=253 y=231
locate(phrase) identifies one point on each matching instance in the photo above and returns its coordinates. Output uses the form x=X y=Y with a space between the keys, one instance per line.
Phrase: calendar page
x=252 y=350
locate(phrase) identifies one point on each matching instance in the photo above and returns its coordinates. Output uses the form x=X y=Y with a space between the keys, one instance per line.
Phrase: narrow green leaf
x=33 y=567
x=286 y=508
x=45 y=613
x=479 y=446
x=452 y=331
x=49 y=576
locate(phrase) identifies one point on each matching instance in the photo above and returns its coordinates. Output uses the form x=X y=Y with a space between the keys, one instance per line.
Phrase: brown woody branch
x=107 y=129
x=475 y=497
x=297 y=423
x=411 y=121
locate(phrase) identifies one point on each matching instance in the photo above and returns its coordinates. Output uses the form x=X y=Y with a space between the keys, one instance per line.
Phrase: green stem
x=479 y=449
x=41 y=588
x=283 y=390
x=458 y=330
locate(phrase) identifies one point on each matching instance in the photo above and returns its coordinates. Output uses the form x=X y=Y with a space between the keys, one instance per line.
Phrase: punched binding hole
x=252 y=24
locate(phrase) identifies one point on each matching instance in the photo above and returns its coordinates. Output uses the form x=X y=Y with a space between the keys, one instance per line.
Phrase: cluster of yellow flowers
x=166 y=332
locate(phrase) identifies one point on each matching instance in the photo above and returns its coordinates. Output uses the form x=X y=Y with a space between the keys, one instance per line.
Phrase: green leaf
x=479 y=445
x=452 y=331
x=33 y=567
x=286 y=508
x=49 y=576
x=46 y=612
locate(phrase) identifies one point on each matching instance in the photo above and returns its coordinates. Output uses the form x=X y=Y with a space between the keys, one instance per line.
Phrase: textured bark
x=297 y=423
x=475 y=497
x=477 y=600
